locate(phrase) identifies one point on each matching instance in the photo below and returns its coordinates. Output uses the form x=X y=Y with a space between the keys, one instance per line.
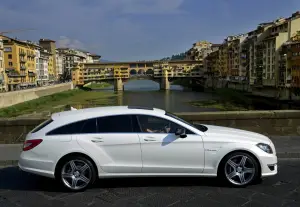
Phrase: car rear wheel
x=77 y=173
x=239 y=169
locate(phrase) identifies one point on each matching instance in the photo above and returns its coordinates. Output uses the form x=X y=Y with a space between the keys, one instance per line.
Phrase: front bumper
x=269 y=165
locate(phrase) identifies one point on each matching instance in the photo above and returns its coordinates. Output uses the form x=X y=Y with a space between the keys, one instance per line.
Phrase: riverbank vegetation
x=233 y=100
x=226 y=100
x=59 y=101
x=222 y=106
x=98 y=85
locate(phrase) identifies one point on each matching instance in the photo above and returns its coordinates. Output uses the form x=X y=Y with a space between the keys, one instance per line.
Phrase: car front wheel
x=77 y=173
x=239 y=169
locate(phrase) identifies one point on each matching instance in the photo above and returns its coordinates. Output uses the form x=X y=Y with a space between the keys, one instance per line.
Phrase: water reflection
x=143 y=85
x=147 y=93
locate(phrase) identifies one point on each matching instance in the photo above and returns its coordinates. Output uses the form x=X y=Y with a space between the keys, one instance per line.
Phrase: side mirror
x=180 y=132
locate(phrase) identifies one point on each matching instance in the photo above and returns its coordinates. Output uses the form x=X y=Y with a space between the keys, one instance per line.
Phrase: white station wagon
x=78 y=147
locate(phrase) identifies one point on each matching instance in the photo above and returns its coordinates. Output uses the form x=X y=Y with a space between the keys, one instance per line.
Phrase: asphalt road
x=22 y=189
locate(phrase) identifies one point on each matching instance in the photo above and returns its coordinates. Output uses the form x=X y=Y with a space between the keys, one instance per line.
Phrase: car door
x=164 y=152
x=116 y=145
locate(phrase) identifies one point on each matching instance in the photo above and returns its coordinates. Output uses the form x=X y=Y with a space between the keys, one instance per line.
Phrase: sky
x=123 y=30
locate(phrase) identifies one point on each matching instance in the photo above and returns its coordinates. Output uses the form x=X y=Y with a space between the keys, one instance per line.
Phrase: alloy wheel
x=76 y=174
x=240 y=170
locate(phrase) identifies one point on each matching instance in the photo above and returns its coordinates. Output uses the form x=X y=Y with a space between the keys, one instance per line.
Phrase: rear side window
x=81 y=127
x=42 y=125
x=115 y=124
x=89 y=127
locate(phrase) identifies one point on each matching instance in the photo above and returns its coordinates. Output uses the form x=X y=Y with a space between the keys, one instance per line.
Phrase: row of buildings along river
x=267 y=58
x=265 y=61
x=26 y=64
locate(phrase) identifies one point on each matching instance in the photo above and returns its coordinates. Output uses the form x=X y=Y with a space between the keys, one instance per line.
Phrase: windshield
x=197 y=126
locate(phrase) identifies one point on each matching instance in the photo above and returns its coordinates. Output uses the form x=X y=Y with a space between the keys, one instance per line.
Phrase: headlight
x=265 y=147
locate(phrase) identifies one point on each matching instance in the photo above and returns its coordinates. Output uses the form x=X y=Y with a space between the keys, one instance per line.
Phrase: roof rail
x=140 y=107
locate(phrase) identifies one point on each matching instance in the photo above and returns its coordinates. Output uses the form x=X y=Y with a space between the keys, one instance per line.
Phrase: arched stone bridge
x=120 y=72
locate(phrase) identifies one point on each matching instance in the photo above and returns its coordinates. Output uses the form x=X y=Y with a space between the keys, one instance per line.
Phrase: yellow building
x=3 y=83
x=231 y=58
x=50 y=46
x=20 y=65
x=51 y=69
x=223 y=57
x=77 y=75
x=253 y=53
x=199 y=51
x=212 y=64
x=293 y=60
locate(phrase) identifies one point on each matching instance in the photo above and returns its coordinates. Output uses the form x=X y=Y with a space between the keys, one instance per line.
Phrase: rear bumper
x=35 y=166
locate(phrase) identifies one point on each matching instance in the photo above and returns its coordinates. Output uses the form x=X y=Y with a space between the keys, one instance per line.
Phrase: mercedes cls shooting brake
x=79 y=146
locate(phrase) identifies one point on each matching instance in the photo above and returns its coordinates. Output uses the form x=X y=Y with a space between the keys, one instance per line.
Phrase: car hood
x=233 y=133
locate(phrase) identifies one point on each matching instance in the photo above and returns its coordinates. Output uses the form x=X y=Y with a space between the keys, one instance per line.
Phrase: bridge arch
x=141 y=72
x=150 y=72
x=133 y=72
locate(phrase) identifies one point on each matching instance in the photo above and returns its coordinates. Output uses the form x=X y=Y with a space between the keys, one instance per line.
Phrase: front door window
x=152 y=124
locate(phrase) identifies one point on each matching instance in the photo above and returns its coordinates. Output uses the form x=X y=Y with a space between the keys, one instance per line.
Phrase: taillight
x=30 y=144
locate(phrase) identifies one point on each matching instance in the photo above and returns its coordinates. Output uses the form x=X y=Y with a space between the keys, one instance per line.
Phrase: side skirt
x=116 y=175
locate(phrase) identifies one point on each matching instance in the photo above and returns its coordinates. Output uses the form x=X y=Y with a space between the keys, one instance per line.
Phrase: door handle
x=96 y=141
x=150 y=140
x=97 y=138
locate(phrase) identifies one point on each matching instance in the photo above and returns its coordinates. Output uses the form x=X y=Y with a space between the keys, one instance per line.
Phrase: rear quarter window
x=42 y=125
x=80 y=127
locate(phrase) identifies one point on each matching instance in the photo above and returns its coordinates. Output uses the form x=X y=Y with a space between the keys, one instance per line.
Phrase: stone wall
x=266 y=91
x=280 y=123
x=15 y=97
x=14 y=130
x=276 y=123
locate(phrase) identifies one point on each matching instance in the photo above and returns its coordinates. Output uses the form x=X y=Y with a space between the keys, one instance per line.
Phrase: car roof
x=106 y=111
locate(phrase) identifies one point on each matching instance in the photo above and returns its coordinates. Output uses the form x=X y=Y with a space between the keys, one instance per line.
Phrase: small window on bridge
x=140 y=107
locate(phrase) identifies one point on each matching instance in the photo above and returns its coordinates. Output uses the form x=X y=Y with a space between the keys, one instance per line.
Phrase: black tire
x=90 y=172
x=226 y=170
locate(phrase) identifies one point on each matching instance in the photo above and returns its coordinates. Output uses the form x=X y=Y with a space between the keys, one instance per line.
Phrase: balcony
x=31 y=55
x=14 y=81
x=260 y=47
x=31 y=74
x=13 y=74
x=22 y=53
x=23 y=67
x=22 y=61
x=7 y=70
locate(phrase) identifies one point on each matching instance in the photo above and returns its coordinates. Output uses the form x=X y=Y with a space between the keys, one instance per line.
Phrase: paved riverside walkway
x=286 y=147
x=21 y=189
x=18 y=189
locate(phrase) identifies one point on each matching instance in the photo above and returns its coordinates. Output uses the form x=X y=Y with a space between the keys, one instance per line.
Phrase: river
x=147 y=93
